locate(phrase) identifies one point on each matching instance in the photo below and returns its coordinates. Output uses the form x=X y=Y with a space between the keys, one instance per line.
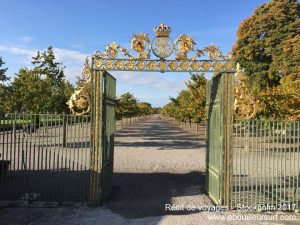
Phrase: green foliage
x=129 y=106
x=267 y=48
x=126 y=106
x=197 y=89
x=3 y=76
x=190 y=103
x=156 y=110
x=265 y=40
x=282 y=102
x=40 y=89
x=144 y=108
x=3 y=86
x=45 y=65
x=29 y=92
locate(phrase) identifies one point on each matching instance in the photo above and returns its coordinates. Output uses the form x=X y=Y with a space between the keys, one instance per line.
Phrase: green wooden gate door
x=102 y=132
x=219 y=103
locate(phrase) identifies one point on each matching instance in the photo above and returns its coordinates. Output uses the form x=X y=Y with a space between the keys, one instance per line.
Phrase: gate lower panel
x=266 y=164
x=44 y=157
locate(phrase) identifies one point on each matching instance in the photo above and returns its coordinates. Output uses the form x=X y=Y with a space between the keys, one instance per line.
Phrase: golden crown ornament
x=162 y=45
x=162 y=30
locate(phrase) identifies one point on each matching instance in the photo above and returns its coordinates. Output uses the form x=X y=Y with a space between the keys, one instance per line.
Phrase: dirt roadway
x=156 y=163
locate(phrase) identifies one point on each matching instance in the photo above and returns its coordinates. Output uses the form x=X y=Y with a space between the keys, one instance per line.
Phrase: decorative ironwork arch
x=178 y=56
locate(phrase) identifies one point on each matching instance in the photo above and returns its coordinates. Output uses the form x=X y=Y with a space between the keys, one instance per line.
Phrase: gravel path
x=156 y=163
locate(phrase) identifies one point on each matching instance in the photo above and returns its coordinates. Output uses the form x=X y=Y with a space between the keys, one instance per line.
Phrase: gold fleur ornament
x=119 y=64
x=97 y=63
x=112 y=50
x=184 y=65
x=109 y=64
x=173 y=65
x=229 y=65
x=130 y=64
x=140 y=65
x=162 y=65
x=206 y=65
x=151 y=65
x=195 y=65
x=217 y=65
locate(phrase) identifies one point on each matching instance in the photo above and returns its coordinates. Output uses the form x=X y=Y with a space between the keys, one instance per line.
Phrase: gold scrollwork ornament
x=139 y=44
x=112 y=50
x=213 y=52
x=80 y=101
x=183 y=45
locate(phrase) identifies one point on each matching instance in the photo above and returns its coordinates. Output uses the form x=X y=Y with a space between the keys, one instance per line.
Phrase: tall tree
x=42 y=88
x=189 y=105
x=267 y=48
x=197 y=88
x=3 y=86
x=30 y=93
x=144 y=108
x=3 y=76
x=126 y=106
x=265 y=40
x=45 y=65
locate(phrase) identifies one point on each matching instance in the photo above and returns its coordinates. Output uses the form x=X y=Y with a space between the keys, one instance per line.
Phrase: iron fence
x=44 y=157
x=266 y=165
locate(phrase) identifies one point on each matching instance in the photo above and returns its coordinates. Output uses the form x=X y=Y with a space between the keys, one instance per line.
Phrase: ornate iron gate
x=51 y=157
x=44 y=157
x=103 y=120
x=219 y=139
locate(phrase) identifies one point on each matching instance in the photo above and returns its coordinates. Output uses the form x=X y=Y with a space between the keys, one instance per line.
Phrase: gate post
x=228 y=111
x=96 y=136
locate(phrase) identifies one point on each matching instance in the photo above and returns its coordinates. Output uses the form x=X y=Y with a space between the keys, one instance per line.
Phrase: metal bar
x=2 y=133
x=96 y=125
x=251 y=172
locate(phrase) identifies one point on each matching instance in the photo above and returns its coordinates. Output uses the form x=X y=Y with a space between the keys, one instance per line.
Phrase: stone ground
x=156 y=163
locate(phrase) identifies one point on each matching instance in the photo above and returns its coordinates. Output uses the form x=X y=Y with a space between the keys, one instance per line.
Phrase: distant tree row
x=129 y=106
x=189 y=105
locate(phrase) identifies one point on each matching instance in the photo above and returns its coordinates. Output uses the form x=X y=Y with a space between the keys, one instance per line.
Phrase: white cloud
x=60 y=53
x=26 y=39
x=18 y=51
x=73 y=60
x=72 y=72
x=148 y=79
x=70 y=56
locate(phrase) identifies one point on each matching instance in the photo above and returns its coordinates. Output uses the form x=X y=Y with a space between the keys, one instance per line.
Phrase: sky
x=78 y=28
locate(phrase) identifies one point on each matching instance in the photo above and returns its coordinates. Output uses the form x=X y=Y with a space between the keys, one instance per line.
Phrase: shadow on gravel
x=159 y=134
x=170 y=145
x=142 y=195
